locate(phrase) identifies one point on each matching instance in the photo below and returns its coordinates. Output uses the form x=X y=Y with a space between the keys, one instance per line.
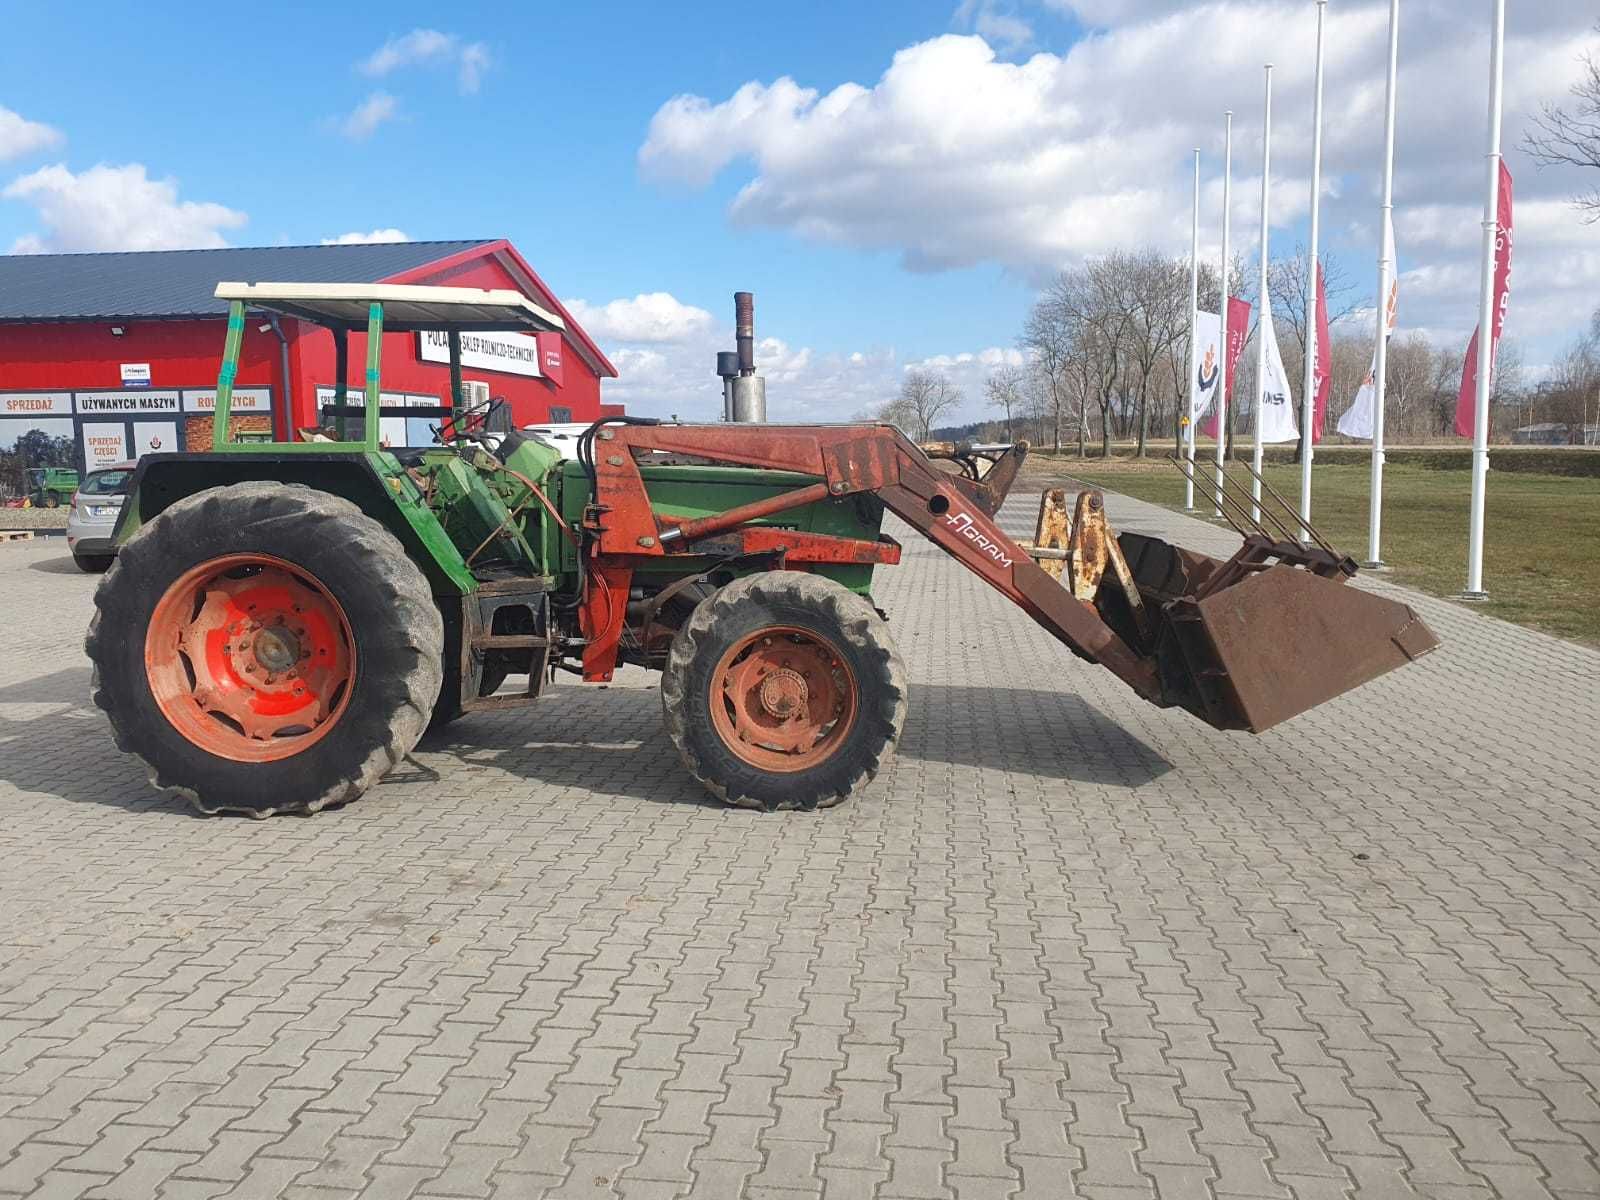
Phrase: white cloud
x=116 y=208
x=473 y=66
x=1555 y=267
x=665 y=353
x=418 y=46
x=648 y=317
x=955 y=157
x=1001 y=27
x=357 y=238
x=19 y=136
x=1102 y=13
x=363 y=121
x=429 y=47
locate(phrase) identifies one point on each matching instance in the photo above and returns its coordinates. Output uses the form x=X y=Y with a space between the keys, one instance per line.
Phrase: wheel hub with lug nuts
x=276 y=648
x=784 y=693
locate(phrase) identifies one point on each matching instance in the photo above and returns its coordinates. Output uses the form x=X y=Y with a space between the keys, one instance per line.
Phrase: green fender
x=371 y=480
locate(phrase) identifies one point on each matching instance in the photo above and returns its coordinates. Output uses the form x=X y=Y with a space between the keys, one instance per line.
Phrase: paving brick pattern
x=1070 y=945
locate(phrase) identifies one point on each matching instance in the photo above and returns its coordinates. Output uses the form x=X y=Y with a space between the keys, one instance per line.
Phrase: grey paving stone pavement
x=1069 y=946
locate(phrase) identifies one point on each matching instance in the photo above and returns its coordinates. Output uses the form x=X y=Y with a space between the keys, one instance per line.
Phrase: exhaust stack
x=744 y=393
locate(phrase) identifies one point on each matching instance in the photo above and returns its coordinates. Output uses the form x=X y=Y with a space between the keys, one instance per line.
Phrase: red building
x=119 y=352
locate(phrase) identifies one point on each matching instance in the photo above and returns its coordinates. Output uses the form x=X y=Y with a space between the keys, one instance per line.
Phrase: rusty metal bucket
x=1273 y=631
x=1284 y=640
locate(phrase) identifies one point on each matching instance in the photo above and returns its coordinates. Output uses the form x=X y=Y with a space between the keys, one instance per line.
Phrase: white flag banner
x=1276 y=421
x=1358 y=419
x=1208 y=362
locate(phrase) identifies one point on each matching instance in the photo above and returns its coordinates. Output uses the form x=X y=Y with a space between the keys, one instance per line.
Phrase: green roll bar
x=221 y=441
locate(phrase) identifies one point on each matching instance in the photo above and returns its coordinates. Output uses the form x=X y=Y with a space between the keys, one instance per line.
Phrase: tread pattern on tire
x=882 y=702
x=144 y=563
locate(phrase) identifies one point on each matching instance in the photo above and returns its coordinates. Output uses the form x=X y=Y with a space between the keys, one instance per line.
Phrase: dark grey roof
x=178 y=283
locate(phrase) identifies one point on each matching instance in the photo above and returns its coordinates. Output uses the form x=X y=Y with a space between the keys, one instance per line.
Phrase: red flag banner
x=1238 y=331
x=1322 y=365
x=1466 y=399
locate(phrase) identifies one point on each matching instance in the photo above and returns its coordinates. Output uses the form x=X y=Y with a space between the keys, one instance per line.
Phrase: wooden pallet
x=16 y=535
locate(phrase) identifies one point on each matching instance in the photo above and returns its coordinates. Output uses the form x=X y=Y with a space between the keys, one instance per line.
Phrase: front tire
x=265 y=648
x=783 y=690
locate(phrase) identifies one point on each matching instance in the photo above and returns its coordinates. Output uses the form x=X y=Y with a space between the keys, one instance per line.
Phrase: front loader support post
x=1053 y=531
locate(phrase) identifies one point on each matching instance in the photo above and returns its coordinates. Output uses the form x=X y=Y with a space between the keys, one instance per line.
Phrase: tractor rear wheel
x=783 y=690
x=265 y=648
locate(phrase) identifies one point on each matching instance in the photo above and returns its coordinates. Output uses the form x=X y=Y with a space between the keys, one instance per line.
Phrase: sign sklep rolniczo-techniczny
x=511 y=353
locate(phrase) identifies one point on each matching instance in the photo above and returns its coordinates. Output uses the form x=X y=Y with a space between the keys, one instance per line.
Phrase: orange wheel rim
x=250 y=658
x=783 y=699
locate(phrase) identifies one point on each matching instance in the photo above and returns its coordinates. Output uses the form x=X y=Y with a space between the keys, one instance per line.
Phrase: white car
x=93 y=517
x=563 y=436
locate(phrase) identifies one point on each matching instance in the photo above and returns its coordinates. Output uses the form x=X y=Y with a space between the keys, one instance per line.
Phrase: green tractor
x=285 y=620
x=51 y=487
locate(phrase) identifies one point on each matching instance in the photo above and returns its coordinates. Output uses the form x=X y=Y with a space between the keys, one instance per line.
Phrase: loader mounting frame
x=953 y=511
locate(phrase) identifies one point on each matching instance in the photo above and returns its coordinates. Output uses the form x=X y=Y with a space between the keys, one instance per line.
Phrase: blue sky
x=544 y=153
x=909 y=224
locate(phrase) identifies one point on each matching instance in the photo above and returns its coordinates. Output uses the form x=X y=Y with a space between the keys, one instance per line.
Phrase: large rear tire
x=783 y=690
x=265 y=648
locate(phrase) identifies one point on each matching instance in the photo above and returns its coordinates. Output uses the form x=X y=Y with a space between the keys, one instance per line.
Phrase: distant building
x=1547 y=433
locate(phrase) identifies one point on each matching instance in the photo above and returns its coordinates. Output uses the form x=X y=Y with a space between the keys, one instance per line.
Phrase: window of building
x=559 y=414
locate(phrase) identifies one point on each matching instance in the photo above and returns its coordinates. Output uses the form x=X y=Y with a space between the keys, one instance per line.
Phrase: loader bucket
x=1283 y=640
x=1250 y=642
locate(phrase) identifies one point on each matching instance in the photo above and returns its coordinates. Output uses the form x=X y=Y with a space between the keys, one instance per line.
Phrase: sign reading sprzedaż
x=35 y=404
x=511 y=353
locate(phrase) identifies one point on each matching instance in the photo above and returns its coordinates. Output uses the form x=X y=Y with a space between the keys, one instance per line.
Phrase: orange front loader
x=1241 y=644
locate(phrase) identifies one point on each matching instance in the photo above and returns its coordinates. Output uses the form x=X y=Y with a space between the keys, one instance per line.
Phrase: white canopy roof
x=405 y=307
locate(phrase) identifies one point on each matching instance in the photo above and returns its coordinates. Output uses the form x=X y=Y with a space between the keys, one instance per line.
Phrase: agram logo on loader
x=962 y=522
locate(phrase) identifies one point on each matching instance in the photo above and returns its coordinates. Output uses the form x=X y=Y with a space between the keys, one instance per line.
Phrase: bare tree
x=1047 y=336
x=925 y=396
x=1571 y=137
x=1155 y=292
x=1412 y=370
x=1573 y=393
x=1099 y=316
x=1004 y=391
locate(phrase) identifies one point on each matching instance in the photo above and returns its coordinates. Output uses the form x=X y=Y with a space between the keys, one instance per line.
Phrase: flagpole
x=1486 y=324
x=1221 y=406
x=1308 y=397
x=1263 y=324
x=1380 y=361
x=1194 y=320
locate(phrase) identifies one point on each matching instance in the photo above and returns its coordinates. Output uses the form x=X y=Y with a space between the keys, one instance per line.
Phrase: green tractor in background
x=283 y=621
x=51 y=487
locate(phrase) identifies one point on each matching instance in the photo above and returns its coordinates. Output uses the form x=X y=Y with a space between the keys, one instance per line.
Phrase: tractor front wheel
x=783 y=690
x=265 y=648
